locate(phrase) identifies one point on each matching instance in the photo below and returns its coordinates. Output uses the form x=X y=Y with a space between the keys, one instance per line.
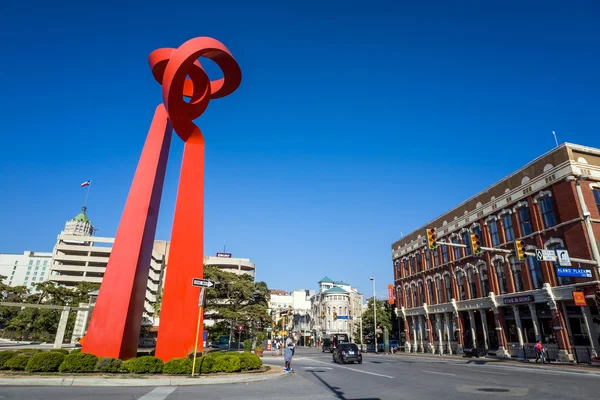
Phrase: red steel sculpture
x=116 y=321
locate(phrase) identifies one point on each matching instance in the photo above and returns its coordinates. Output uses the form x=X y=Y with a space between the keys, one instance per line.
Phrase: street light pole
x=374 y=314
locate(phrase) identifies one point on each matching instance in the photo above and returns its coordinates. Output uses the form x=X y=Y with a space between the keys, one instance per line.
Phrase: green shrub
x=45 y=362
x=79 y=362
x=62 y=351
x=144 y=365
x=249 y=361
x=248 y=345
x=18 y=362
x=227 y=363
x=5 y=356
x=75 y=351
x=205 y=363
x=110 y=365
x=180 y=366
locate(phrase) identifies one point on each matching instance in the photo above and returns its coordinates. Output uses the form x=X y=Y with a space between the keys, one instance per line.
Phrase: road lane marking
x=439 y=373
x=490 y=372
x=352 y=369
x=317 y=367
x=159 y=393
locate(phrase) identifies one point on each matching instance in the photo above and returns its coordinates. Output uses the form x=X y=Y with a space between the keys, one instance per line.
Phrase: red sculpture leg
x=117 y=317
x=179 y=315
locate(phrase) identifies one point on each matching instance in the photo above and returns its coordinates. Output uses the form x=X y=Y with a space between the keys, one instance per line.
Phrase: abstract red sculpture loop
x=171 y=67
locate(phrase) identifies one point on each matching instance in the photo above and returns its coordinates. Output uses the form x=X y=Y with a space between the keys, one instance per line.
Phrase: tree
x=13 y=294
x=384 y=319
x=236 y=299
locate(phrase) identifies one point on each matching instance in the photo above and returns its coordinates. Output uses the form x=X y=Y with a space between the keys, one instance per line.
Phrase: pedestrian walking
x=539 y=352
x=290 y=345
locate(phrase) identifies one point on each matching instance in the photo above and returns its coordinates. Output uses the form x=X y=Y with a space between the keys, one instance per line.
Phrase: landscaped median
x=59 y=367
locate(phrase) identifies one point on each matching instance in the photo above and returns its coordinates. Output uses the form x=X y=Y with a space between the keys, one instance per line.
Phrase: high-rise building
x=25 y=269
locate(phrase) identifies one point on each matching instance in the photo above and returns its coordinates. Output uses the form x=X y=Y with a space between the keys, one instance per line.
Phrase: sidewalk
x=583 y=368
x=137 y=380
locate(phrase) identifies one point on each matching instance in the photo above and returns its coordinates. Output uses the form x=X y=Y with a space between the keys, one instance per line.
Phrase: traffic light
x=431 y=239
x=475 y=244
x=520 y=248
x=322 y=314
x=335 y=316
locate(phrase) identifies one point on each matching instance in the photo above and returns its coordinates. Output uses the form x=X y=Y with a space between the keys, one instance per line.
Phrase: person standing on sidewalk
x=290 y=345
x=539 y=352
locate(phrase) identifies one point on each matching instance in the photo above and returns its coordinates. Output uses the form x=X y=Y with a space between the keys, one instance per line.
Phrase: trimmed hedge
x=227 y=363
x=110 y=365
x=180 y=366
x=144 y=365
x=62 y=351
x=5 y=356
x=18 y=362
x=45 y=362
x=29 y=352
x=249 y=361
x=75 y=351
x=79 y=362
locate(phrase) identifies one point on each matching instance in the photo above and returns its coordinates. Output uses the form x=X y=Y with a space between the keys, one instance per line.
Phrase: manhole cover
x=492 y=390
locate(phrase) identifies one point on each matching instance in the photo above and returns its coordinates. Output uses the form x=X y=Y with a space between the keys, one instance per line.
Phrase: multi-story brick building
x=451 y=300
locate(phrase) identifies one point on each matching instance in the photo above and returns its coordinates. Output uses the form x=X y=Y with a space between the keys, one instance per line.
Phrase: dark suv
x=327 y=345
x=347 y=352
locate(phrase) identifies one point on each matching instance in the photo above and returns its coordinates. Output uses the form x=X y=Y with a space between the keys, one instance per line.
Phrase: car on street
x=328 y=345
x=347 y=353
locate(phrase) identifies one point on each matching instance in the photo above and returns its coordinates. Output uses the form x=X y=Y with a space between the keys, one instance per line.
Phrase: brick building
x=452 y=301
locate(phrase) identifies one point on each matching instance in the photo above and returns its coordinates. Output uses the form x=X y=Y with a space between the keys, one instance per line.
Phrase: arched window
x=485 y=282
x=456 y=249
x=430 y=292
x=438 y=287
x=460 y=281
x=399 y=295
x=525 y=221
x=499 y=266
x=413 y=290
x=472 y=283
x=536 y=272
x=448 y=285
x=509 y=233
x=407 y=271
x=329 y=310
x=493 y=229
x=418 y=257
x=547 y=211
x=412 y=264
x=428 y=259
x=466 y=239
x=445 y=257
x=421 y=294
x=515 y=266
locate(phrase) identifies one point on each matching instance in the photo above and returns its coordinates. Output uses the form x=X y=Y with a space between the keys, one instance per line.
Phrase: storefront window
x=546 y=325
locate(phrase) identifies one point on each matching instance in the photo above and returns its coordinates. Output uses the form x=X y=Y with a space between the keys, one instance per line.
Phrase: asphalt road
x=379 y=377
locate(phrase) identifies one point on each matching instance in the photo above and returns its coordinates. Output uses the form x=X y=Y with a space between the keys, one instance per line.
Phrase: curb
x=133 y=382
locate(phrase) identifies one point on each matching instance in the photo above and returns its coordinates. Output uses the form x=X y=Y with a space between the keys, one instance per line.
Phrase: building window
x=499 y=266
x=445 y=258
x=547 y=212
x=45 y=262
x=29 y=268
x=448 y=286
x=412 y=264
x=515 y=266
x=472 y=283
x=37 y=262
x=438 y=288
x=466 y=238
x=597 y=198
x=37 y=268
x=418 y=257
x=421 y=294
x=493 y=228
x=562 y=280
x=436 y=257
x=400 y=298
x=508 y=227
x=430 y=291
x=456 y=249
x=485 y=281
x=33 y=279
x=536 y=272
x=405 y=262
x=30 y=262
x=414 y=296
x=28 y=273
x=427 y=259
x=525 y=221
x=460 y=281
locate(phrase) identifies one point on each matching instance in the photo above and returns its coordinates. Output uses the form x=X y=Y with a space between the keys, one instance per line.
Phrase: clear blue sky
x=355 y=121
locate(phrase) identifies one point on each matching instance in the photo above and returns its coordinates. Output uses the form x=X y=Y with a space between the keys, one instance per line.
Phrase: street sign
x=342 y=317
x=519 y=299
x=579 y=298
x=224 y=255
x=391 y=294
x=563 y=258
x=240 y=328
x=574 y=272
x=545 y=255
x=379 y=330
x=203 y=282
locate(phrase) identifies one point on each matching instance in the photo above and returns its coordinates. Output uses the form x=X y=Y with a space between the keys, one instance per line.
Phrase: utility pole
x=374 y=314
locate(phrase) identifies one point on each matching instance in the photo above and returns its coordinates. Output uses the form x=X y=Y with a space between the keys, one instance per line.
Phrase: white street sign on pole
x=203 y=282
x=545 y=255
x=563 y=258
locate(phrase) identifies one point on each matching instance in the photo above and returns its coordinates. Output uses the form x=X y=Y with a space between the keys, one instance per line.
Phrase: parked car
x=327 y=346
x=347 y=353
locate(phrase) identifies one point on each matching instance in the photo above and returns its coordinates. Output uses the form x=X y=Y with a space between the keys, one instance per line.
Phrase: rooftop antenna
x=555 y=139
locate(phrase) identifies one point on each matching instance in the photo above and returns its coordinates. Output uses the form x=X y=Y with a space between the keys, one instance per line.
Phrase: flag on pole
x=87 y=183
